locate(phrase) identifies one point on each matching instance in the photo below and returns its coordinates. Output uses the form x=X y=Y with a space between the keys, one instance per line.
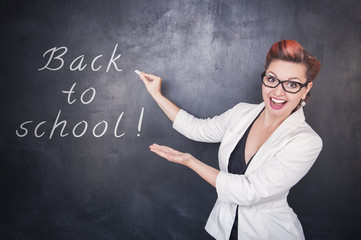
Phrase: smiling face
x=280 y=103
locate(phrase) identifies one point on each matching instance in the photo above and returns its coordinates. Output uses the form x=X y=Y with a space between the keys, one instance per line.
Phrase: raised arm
x=202 y=130
x=153 y=84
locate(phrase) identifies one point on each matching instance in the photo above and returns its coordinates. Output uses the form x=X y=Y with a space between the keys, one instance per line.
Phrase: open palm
x=170 y=154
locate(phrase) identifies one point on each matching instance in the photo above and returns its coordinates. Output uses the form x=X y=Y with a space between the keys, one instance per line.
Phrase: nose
x=279 y=90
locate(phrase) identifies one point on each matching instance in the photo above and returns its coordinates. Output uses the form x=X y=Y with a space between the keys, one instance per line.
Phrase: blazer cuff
x=180 y=120
x=221 y=182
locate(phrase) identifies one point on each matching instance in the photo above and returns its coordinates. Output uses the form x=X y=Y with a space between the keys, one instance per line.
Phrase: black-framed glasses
x=288 y=85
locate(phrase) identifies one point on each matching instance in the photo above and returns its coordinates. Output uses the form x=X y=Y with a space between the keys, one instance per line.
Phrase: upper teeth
x=278 y=101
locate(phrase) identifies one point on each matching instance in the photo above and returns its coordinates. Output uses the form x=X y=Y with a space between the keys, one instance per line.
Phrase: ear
x=307 y=89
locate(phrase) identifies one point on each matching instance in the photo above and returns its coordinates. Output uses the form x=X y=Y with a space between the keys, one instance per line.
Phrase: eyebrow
x=289 y=79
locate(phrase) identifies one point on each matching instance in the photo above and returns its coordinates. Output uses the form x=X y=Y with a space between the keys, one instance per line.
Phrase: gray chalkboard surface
x=76 y=121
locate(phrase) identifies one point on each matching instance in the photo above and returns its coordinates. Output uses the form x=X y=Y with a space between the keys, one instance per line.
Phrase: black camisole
x=237 y=165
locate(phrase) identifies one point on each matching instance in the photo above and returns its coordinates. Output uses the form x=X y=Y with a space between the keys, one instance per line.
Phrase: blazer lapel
x=243 y=122
x=275 y=141
x=238 y=127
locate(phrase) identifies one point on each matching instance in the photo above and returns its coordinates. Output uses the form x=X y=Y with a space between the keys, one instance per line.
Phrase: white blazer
x=261 y=193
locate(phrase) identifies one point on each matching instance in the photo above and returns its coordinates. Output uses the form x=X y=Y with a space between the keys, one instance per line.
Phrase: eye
x=292 y=85
x=271 y=79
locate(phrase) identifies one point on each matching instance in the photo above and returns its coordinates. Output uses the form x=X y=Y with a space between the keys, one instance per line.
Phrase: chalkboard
x=76 y=121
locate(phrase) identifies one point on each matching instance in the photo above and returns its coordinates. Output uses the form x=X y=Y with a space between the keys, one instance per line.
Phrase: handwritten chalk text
x=77 y=131
x=56 y=62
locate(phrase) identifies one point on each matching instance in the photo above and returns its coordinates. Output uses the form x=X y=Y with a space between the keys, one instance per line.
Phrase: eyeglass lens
x=288 y=86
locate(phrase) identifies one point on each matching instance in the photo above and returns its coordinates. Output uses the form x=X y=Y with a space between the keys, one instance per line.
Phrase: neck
x=269 y=121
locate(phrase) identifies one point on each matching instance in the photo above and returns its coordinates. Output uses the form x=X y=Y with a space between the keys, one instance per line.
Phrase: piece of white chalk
x=137 y=72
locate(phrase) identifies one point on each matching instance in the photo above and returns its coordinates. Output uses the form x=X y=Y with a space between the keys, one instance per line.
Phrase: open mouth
x=277 y=103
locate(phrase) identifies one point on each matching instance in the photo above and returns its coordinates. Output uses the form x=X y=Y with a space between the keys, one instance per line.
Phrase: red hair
x=292 y=51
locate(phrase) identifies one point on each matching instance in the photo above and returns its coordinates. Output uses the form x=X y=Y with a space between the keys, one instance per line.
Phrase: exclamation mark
x=140 y=121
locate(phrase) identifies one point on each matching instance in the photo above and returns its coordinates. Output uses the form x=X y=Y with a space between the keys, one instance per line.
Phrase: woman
x=265 y=148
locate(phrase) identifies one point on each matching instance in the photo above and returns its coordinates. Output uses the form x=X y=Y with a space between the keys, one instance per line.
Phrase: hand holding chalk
x=152 y=82
x=141 y=74
x=153 y=85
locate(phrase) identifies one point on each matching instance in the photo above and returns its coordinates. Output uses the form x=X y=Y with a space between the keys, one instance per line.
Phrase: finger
x=143 y=78
x=170 y=149
x=159 y=148
x=150 y=77
x=156 y=147
x=161 y=153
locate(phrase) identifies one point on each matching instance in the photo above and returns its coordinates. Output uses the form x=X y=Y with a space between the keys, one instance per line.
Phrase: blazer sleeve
x=273 y=178
x=203 y=130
